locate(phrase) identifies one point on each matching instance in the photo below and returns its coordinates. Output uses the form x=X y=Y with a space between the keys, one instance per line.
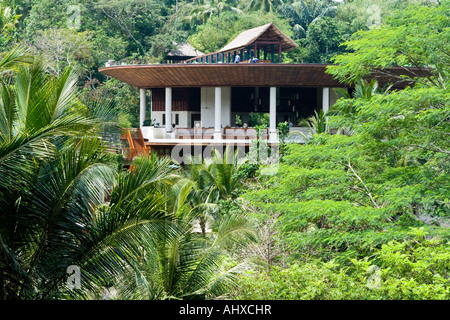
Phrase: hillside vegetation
x=363 y=213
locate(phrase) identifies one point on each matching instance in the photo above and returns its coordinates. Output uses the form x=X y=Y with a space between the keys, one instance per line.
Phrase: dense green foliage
x=361 y=214
x=374 y=198
x=64 y=204
x=415 y=269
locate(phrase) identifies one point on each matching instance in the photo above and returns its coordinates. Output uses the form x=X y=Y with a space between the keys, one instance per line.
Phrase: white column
x=273 y=114
x=142 y=106
x=226 y=106
x=218 y=113
x=168 y=110
x=325 y=99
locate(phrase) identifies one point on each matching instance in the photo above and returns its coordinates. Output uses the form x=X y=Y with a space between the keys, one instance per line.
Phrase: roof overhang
x=227 y=75
x=213 y=75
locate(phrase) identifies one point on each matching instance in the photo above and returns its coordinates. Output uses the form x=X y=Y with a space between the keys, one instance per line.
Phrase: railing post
x=272 y=52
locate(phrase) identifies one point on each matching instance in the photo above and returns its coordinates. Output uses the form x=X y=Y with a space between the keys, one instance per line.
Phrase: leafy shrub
x=415 y=269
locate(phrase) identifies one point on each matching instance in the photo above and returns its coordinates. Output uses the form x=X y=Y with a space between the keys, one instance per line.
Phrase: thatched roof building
x=265 y=34
x=183 y=51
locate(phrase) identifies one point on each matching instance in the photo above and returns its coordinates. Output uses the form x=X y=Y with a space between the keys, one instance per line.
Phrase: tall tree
x=135 y=18
x=415 y=38
x=64 y=48
x=260 y=5
x=303 y=13
x=209 y=8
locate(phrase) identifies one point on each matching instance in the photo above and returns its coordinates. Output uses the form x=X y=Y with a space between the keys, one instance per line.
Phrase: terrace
x=210 y=99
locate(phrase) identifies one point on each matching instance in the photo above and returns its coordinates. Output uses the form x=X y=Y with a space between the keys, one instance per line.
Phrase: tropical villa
x=203 y=99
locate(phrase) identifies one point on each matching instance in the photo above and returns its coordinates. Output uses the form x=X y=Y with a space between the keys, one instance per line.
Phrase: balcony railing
x=228 y=133
x=263 y=51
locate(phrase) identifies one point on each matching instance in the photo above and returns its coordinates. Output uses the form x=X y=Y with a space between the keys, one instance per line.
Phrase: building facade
x=213 y=98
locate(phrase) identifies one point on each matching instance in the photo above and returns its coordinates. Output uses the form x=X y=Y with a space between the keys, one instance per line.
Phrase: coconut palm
x=14 y=59
x=66 y=221
x=183 y=263
x=302 y=13
x=207 y=181
x=224 y=170
x=33 y=113
x=188 y=265
x=53 y=190
x=198 y=184
x=209 y=8
x=64 y=205
x=363 y=90
x=317 y=123
x=260 y=5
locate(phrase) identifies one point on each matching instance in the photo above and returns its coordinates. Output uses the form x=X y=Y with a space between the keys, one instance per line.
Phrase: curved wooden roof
x=213 y=75
x=229 y=74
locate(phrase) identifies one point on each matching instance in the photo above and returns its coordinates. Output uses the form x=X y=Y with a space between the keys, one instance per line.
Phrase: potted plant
x=238 y=121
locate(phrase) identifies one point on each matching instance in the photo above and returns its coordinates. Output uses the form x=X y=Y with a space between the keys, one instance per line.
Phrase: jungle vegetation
x=359 y=211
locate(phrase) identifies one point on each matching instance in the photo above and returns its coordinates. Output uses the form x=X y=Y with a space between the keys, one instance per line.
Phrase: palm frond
x=15 y=58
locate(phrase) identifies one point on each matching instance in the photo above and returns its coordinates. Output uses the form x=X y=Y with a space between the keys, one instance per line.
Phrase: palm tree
x=65 y=221
x=63 y=204
x=54 y=184
x=14 y=59
x=260 y=5
x=224 y=170
x=363 y=90
x=207 y=181
x=33 y=113
x=209 y=8
x=317 y=123
x=302 y=13
x=347 y=107
x=198 y=185
x=187 y=265
x=182 y=263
